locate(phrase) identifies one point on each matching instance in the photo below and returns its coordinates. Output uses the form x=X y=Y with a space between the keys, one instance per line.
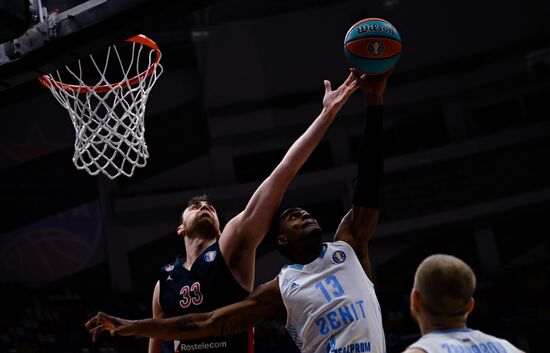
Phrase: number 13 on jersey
x=330 y=287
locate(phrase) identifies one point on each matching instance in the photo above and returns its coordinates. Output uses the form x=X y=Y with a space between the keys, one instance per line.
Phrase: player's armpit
x=363 y=223
x=356 y=229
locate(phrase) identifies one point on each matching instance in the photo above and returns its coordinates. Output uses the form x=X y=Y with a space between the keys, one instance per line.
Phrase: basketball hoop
x=108 y=118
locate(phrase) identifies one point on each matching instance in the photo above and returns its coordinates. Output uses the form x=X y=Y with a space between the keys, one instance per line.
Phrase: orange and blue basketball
x=372 y=46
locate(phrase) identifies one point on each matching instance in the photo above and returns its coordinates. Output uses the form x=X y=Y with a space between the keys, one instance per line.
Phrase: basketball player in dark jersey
x=218 y=268
x=203 y=284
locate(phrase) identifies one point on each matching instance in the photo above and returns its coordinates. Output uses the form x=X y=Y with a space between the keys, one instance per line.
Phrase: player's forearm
x=304 y=146
x=374 y=99
x=370 y=163
x=256 y=218
x=221 y=322
x=267 y=198
x=185 y=327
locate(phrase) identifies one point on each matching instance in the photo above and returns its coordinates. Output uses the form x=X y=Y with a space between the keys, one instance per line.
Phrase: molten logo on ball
x=375 y=47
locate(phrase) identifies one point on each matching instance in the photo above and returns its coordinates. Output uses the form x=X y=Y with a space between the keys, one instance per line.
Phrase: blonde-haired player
x=441 y=300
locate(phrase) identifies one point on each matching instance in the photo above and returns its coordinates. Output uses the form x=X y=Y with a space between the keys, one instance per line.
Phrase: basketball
x=372 y=46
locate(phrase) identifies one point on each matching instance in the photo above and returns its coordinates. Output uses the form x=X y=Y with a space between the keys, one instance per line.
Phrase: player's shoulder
x=509 y=346
x=290 y=268
x=424 y=344
x=414 y=350
x=169 y=267
x=338 y=253
x=341 y=246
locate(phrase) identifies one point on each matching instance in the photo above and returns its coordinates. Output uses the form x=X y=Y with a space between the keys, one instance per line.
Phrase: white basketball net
x=109 y=118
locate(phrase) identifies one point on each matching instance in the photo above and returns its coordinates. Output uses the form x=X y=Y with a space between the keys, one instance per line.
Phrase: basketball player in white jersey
x=326 y=295
x=441 y=300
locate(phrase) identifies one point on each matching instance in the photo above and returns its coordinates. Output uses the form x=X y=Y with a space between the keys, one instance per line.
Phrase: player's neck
x=427 y=327
x=309 y=254
x=194 y=247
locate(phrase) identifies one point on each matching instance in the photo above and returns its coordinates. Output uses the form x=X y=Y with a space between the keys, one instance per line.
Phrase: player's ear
x=181 y=230
x=281 y=240
x=470 y=307
x=415 y=300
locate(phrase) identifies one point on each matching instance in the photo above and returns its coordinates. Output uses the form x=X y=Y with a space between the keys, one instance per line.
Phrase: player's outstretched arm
x=231 y=319
x=358 y=225
x=244 y=232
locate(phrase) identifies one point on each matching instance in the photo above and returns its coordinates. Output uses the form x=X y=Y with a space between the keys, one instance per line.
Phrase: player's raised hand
x=115 y=325
x=373 y=86
x=334 y=100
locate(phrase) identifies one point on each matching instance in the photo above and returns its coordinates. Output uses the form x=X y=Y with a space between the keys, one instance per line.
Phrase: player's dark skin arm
x=358 y=225
x=262 y=302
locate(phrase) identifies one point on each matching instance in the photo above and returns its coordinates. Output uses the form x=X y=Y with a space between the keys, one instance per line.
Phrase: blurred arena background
x=467 y=145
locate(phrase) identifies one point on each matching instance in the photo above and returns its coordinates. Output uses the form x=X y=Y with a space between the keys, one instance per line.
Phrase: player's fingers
x=350 y=79
x=327 y=86
x=388 y=73
x=96 y=331
x=353 y=86
x=101 y=317
x=91 y=322
x=356 y=73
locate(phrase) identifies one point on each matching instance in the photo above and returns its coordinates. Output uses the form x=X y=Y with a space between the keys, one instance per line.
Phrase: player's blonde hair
x=446 y=284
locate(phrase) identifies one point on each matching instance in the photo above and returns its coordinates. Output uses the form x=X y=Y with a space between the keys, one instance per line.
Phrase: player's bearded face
x=201 y=219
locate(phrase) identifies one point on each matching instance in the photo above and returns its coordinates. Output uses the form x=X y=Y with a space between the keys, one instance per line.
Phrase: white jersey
x=463 y=340
x=331 y=305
